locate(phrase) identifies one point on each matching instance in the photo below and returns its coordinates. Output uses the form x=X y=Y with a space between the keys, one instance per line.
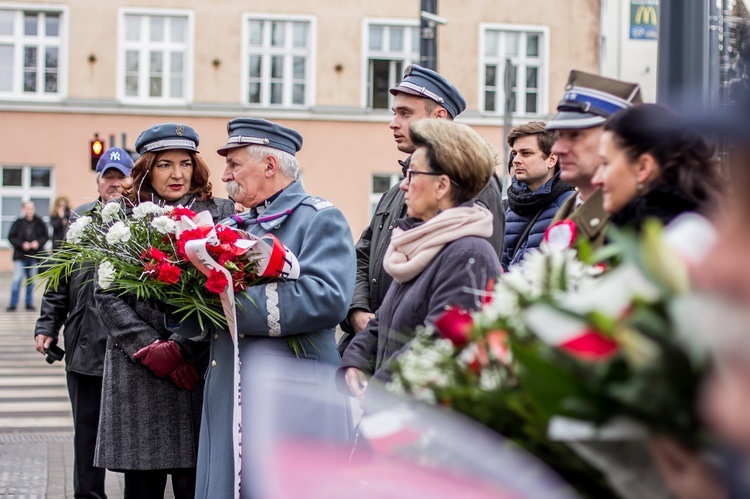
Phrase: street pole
x=428 y=36
x=688 y=55
x=507 y=120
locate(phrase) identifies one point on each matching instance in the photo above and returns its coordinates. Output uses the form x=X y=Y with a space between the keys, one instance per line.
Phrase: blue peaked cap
x=166 y=136
x=428 y=84
x=248 y=131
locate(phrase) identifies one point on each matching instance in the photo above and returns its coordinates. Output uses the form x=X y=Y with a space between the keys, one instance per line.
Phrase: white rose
x=164 y=225
x=145 y=209
x=118 y=233
x=106 y=274
x=109 y=212
x=75 y=230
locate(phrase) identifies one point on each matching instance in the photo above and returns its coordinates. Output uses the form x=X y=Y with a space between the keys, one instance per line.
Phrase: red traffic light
x=96 y=150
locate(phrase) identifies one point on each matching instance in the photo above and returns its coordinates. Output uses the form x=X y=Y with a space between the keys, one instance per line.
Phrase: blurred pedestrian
x=71 y=306
x=27 y=235
x=58 y=218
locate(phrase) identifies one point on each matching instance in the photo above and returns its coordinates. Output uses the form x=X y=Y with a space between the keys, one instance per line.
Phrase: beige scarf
x=412 y=250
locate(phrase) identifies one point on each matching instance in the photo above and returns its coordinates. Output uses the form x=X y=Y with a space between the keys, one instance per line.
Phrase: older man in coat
x=261 y=173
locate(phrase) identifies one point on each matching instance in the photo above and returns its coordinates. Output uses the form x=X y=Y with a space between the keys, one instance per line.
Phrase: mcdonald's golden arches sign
x=644 y=19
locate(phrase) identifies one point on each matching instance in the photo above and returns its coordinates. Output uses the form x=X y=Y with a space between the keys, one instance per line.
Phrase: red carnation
x=178 y=212
x=455 y=325
x=187 y=235
x=216 y=282
x=154 y=254
x=239 y=281
x=169 y=274
x=226 y=235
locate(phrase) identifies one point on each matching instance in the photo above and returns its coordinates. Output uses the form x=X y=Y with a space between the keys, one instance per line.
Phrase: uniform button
x=242 y=335
x=216 y=336
x=594 y=222
x=213 y=363
x=390 y=227
x=374 y=281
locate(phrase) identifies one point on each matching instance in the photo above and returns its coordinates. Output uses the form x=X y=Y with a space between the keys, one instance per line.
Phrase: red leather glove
x=164 y=359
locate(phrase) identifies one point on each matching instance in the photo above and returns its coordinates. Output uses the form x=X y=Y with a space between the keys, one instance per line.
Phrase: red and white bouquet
x=150 y=253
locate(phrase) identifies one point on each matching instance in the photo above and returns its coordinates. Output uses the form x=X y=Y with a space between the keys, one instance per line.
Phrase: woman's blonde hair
x=58 y=199
x=458 y=151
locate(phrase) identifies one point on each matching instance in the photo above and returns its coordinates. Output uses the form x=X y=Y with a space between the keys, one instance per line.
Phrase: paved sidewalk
x=36 y=435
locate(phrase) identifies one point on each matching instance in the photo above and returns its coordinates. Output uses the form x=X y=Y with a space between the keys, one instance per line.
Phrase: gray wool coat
x=146 y=422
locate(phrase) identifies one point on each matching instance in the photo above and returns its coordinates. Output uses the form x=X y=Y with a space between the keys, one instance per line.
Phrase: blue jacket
x=308 y=308
x=515 y=224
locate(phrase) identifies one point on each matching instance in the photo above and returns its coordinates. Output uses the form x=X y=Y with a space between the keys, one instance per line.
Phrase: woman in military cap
x=152 y=388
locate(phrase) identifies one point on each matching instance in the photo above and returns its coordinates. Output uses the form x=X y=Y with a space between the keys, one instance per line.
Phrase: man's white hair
x=287 y=163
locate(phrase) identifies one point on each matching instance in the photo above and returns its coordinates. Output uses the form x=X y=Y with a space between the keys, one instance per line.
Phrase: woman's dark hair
x=686 y=160
x=139 y=189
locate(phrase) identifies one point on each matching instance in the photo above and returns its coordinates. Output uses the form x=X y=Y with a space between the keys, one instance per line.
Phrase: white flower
x=147 y=208
x=118 y=233
x=109 y=212
x=75 y=230
x=164 y=225
x=106 y=274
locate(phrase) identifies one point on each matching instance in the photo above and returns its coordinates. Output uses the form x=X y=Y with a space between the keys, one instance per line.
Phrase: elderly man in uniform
x=72 y=305
x=587 y=103
x=261 y=173
x=423 y=93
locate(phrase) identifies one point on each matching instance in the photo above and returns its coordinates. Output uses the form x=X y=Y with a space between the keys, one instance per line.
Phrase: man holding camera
x=72 y=305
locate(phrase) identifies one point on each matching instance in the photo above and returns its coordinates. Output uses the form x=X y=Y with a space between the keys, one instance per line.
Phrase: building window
x=30 y=53
x=278 y=55
x=21 y=183
x=390 y=48
x=525 y=50
x=156 y=57
x=381 y=183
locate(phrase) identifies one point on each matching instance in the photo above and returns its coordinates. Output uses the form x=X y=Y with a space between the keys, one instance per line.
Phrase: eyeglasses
x=410 y=172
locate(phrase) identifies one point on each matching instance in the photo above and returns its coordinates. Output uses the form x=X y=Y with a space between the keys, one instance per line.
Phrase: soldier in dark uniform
x=422 y=93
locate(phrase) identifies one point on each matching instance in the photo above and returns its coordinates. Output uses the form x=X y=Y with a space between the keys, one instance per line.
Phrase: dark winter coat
x=23 y=231
x=523 y=207
x=72 y=305
x=664 y=203
x=372 y=281
x=146 y=422
x=467 y=263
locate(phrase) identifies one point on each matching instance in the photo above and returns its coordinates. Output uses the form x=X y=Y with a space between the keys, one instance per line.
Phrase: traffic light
x=96 y=150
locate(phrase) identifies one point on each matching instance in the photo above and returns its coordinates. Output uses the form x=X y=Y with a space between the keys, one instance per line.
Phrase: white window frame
x=520 y=60
x=384 y=55
x=375 y=196
x=288 y=52
x=25 y=192
x=17 y=39
x=123 y=45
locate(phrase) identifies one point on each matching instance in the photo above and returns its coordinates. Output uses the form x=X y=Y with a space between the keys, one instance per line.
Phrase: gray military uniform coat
x=309 y=309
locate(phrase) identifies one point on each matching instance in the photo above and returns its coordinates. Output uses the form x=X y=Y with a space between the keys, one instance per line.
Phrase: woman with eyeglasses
x=438 y=256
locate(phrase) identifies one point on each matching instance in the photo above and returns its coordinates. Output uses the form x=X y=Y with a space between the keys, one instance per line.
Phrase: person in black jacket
x=27 y=235
x=72 y=305
x=58 y=219
x=422 y=94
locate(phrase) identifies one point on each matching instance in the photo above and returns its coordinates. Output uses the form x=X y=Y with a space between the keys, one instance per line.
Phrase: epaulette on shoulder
x=317 y=203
